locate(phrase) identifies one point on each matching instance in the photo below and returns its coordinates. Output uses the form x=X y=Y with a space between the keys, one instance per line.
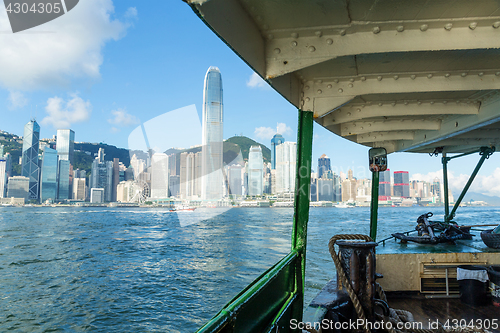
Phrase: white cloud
x=62 y=114
x=16 y=100
x=255 y=81
x=282 y=129
x=122 y=118
x=264 y=133
x=56 y=52
x=267 y=133
x=131 y=12
x=488 y=185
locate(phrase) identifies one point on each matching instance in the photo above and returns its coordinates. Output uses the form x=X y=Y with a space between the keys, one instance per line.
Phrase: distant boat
x=343 y=205
x=182 y=208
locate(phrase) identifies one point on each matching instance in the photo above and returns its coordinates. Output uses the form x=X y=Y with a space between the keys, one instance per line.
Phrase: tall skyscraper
x=65 y=145
x=255 y=171
x=384 y=192
x=48 y=185
x=79 y=192
x=3 y=176
x=30 y=166
x=116 y=177
x=159 y=176
x=286 y=161
x=212 y=183
x=102 y=176
x=235 y=182
x=401 y=184
x=1 y=150
x=275 y=141
x=323 y=165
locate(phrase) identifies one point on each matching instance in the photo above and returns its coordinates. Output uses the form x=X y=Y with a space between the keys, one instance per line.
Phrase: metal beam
x=450 y=128
x=400 y=108
x=361 y=127
x=322 y=96
x=385 y=136
x=292 y=50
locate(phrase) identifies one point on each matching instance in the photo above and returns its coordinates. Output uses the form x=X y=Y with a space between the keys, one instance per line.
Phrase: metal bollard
x=358 y=261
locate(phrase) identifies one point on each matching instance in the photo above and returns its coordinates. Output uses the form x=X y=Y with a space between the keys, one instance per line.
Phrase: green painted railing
x=270 y=302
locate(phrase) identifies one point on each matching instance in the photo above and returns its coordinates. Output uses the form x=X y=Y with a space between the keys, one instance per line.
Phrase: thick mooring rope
x=396 y=316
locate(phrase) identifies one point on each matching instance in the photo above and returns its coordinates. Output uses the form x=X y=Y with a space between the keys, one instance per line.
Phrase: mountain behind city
x=85 y=152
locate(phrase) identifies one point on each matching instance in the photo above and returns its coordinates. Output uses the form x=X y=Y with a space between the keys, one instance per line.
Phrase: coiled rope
x=396 y=316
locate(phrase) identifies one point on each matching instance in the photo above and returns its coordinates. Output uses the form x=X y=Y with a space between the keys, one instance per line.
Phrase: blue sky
x=107 y=66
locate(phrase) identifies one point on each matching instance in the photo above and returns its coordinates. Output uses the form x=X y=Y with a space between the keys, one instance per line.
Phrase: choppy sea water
x=141 y=270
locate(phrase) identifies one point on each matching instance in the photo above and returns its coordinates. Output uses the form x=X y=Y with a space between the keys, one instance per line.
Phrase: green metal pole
x=444 y=160
x=485 y=153
x=301 y=209
x=374 y=205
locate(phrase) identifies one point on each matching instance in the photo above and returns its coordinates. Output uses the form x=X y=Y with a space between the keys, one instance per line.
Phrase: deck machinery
x=409 y=76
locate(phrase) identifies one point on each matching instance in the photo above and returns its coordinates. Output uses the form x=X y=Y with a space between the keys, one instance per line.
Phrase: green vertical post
x=444 y=160
x=301 y=208
x=374 y=205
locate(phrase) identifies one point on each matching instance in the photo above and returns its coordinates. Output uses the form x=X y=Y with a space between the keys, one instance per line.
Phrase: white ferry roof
x=407 y=75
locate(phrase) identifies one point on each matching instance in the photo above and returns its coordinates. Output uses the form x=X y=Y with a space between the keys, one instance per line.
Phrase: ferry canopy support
x=484 y=152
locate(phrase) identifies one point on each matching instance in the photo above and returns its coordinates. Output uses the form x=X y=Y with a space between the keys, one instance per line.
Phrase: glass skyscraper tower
x=30 y=166
x=48 y=186
x=65 y=149
x=275 y=141
x=212 y=178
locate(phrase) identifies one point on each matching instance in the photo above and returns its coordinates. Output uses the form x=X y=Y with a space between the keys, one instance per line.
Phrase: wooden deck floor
x=429 y=310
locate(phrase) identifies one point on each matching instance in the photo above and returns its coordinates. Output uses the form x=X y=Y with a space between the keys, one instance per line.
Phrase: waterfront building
x=212 y=134
x=30 y=167
x=49 y=173
x=401 y=184
x=197 y=174
x=19 y=187
x=275 y=141
x=323 y=165
x=255 y=171
x=313 y=194
x=173 y=185
x=125 y=191
x=337 y=188
x=97 y=195
x=324 y=189
x=234 y=173
x=186 y=177
x=65 y=144
x=349 y=187
x=3 y=176
x=159 y=176
x=384 y=192
x=102 y=175
x=138 y=165
x=116 y=178
x=63 y=189
x=1 y=150
x=286 y=161
x=79 y=189
x=79 y=173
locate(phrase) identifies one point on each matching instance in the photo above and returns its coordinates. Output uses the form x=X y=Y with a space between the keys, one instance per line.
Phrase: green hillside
x=244 y=144
x=232 y=147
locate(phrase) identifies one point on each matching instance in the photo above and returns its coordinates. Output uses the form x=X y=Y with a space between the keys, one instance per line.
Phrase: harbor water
x=140 y=270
